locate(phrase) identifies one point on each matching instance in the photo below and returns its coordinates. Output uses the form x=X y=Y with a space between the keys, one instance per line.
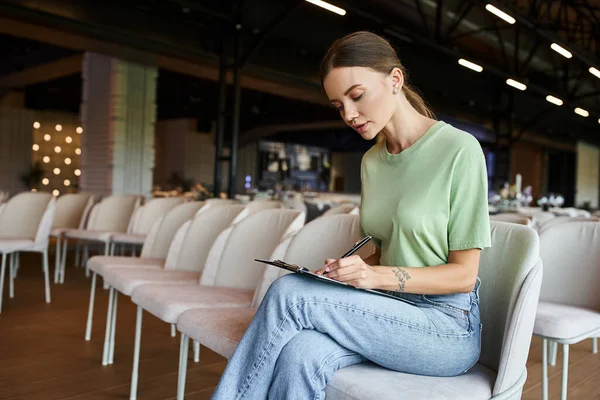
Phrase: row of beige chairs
x=29 y=219
x=155 y=255
x=214 y=304
x=541 y=220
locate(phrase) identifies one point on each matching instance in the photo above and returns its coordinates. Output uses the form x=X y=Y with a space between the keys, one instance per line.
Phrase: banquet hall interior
x=151 y=150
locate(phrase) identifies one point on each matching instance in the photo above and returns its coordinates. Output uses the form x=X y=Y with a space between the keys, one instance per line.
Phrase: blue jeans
x=305 y=330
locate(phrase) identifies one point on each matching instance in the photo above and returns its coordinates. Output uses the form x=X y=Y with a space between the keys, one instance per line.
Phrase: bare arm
x=457 y=276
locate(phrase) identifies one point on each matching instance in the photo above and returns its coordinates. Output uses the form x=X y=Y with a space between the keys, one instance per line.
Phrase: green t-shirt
x=427 y=200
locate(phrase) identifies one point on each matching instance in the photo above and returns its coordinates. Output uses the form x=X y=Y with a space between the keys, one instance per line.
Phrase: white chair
x=107 y=218
x=345 y=208
x=511 y=274
x=25 y=227
x=221 y=329
x=186 y=258
x=563 y=220
x=569 y=308
x=512 y=218
x=143 y=219
x=154 y=251
x=230 y=275
x=72 y=211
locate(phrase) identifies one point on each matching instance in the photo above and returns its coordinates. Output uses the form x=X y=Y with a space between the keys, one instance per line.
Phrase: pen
x=355 y=248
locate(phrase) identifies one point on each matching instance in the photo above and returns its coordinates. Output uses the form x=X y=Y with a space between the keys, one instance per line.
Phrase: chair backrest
x=563 y=220
x=512 y=218
x=45 y=227
x=345 y=208
x=256 y=236
x=260 y=205
x=22 y=215
x=220 y=202
x=327 y=237
x=70 y=210
x=161 y=235
x=113 y=213
x=540 y=218
x=154 y=209
x=511 y=275
x=189 y=251
x=571 y=256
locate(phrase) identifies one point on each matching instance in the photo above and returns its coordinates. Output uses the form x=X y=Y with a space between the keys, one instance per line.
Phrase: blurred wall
x=527 y=159
x=345 y=172
x=588 y=174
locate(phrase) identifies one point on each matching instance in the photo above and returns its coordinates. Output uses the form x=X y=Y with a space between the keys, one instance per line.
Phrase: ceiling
x=285 y=40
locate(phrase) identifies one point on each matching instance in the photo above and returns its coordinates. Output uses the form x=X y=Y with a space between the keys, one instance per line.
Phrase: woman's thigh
x=408 y=335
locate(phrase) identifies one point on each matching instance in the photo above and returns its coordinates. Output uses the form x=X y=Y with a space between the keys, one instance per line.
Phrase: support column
x=118 y=116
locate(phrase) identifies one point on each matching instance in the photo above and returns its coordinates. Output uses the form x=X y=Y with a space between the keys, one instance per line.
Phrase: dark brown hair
x=366 y=49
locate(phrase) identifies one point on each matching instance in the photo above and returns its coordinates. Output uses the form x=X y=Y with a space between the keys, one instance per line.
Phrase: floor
x=43 y=354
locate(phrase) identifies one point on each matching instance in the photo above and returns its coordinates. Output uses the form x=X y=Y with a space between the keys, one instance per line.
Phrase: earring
x=395 y=91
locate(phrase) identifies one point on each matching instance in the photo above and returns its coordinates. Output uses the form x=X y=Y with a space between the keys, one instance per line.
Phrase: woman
x=424 y=201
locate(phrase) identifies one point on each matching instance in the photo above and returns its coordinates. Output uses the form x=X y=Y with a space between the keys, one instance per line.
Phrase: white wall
x=16 y=126
x=588 y=174
x=69 y=123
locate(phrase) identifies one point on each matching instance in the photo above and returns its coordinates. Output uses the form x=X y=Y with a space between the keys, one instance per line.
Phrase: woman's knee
x=284 y=286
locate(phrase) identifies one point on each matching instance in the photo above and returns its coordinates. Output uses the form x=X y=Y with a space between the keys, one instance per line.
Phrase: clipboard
x=304 y=271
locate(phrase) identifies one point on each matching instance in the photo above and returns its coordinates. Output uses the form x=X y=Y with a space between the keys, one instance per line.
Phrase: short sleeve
x=469 y=220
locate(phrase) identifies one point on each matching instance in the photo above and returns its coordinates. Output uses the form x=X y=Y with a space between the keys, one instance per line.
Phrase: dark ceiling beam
x=42 y=73
x=196 y=6
x=527 y=22
x=201 y=65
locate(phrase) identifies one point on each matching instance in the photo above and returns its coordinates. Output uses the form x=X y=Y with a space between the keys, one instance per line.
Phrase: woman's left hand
x=353 y=271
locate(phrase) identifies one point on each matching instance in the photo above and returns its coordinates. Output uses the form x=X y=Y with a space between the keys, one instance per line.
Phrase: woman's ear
x=397 y=78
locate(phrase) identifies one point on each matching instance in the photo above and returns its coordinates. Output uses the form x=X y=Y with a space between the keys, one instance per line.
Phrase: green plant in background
x=32 y=178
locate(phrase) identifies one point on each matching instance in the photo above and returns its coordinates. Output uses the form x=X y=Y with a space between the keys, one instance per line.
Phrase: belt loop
x=477 y=285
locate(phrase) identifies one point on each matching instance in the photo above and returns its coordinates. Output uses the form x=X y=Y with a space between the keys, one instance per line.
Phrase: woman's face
x=363 y=98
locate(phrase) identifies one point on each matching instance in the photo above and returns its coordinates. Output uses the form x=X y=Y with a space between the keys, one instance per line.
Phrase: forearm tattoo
x=402 y=276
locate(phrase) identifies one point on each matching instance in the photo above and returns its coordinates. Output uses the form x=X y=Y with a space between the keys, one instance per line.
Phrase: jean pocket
x=449 y=302
x=455 y=310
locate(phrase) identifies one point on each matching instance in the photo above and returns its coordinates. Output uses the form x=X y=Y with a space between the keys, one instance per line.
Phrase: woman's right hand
x=325 y=269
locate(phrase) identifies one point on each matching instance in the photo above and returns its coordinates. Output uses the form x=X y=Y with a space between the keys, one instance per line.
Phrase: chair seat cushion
x=218 y=329
x=168 y=302
x=8 y=245
x=96 y=236
x=372 y=382
x=125 y=280
x=99 y=264
x=559 y=321
x=129 y=238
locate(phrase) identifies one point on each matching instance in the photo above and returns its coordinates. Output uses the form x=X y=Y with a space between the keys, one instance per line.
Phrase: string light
x=68 y=161
x=36 y=125
x=68 y=139
x=57 y=149
x=35 y=147
x=58 y=127
x=47 y=137
x=77 y=172
x=56 y=171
